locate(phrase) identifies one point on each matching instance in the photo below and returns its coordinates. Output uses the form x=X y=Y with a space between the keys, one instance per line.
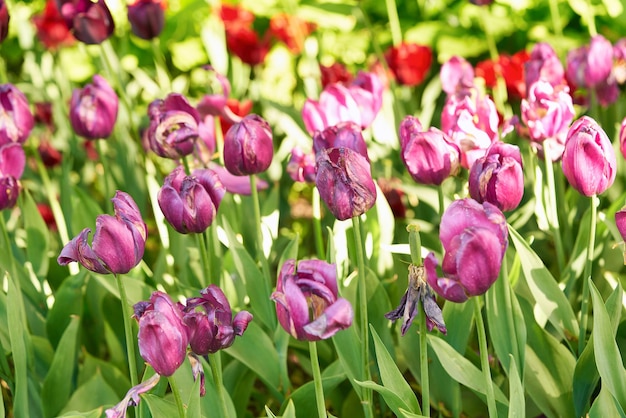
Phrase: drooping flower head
x=93 y=109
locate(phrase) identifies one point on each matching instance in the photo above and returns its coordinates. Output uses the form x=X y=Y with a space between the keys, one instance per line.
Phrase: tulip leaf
x=393 y=400
x=607 y=354
x=290 y=251
x=111 y=374
x=37 y=235
x=549 y=298
x=517 y=405
x=392 y=378
x=406 y=414
x=304 y=397
x=160 y=407
x=96 y=413
x=68 y=301
x=92 y=394
x=57 y=386
x=347 y=345
x=605 y=405
x=19 y=343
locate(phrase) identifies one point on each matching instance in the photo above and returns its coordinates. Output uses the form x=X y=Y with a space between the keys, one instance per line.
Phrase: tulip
x=163 y=335
x=146 y=18
x=367 y=91
x=622 y=138
x=301 y=166
x=190 y=203
x=213 y=328
x=93 y=109
x=545 y=65
x=241 y=38
x=619 y=64
x=236 y=184
x=456 y=74
x=90 y=20
x=344 y=134
x=51 y=28
x=409 y=62
x=510 y=68
x=290 y=30
x=4 y=21
x=306 y=299
x=17 y=120
x=431 y=156
x=132 y=397
x=498 y=177
x=215 y=104
x=345 y=182
x=334 y=73
x=118 y=243
x=12 y=162
x=589 y=162
x=474 y=238
x=248 y=146
x=173 y=128
x=481 y=2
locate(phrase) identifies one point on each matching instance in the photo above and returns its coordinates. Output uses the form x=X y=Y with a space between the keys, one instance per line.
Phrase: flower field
x=307 y=208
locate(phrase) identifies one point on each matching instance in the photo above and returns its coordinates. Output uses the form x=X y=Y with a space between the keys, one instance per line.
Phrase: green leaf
x=605 y=405
x=392 y=378
x=517 y=406
x=68 y=301
x=607 y=354
x=37 y=235
x=290 y=411
x=290 y=251
x=548 y=296
x=19 y=342
x=304 y=397
x=406 y=414
x=95 y=413
x=346 y=344
x=93 y=394
x=392 y=399
x=160 y=407
x=57 y=386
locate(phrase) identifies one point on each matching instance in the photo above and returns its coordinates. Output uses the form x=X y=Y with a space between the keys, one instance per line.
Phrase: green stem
x=587 y=274
x=415 y=244
x=499 y=92
x=441 y=204
x=215 y=360
x=130 y=344
x=204 y=257
x=484 y=358
x=362 y=298
x=160 y=66
x=394 y=22
x=556 y=18
x=259 y=232
x=7 y=251
x=177 y=397
x=553 y=218
x=317 y=224
x=424 y=365
x=106 y=184
x=317 y=380
x=591 y=19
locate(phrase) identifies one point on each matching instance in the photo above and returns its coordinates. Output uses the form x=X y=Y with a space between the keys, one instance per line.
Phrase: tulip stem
x=317 y=380
x=484 y=358
x=553 y=218
x=317 y=224
x=204 y=257
x=556 y=18
x=260 y=255
x=584 y=310
x=591 y=19
x=106 y=186
x=160 y=66
x=366 y=399
x=424 y=365
x=130 y=347
x=215 y=360
x=441 y=204
x=394 y=22
x=177 y=397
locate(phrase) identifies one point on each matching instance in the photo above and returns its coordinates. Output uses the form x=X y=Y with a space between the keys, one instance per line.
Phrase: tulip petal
x=78 y=250
x=478 y=260
x=115 y=244
x=336 y=317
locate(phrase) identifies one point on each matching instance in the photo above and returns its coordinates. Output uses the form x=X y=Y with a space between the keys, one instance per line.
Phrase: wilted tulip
x=17 y=120
x=147 y=18
x=51 y=28
x=301 y=166
x=456 y=74
x=190 y=203
x=212 y=327
x=409 y=62
x=589 y=162
x=93 y=109
x=132 y=397
x=345 y=182
x=90 y=20
x=497 y=177
x=545 y=65
x=474 y=238
x=248 y=146
x=173 y=128
x=306 y=299
x=163 y=335
x=4 y=21
x=12 y=162
x=344 y=134
x=430 y=157
x=118 y=243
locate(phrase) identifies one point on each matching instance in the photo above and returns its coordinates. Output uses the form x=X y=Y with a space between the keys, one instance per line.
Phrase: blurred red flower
x=238 y=108
x=241 y=38
x=511 y=68
x=335 y=73
x=291 y=30
x=409 y=62
x=51 y=28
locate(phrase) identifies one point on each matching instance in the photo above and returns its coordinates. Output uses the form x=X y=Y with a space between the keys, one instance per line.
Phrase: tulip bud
x=589 y=162
x=301 y=166
x=474 y=238
x=306 y=299
x=12 y=162
x=118 y=243
x=345 y=182
x=190 y=203
x=431 y=156
x=456 y=75
x=544 y=65
x=90 y=20
x=146 y=18
x=248 y=146
x=17 y=120
x=4 y=21
x=497 y=177
x=173 y=128
x=342 y=135
x=162 y=337
x=93 y=109
x=9 y=191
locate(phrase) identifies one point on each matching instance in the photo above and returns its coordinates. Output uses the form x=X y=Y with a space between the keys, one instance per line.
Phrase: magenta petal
x=172 y=207
x=115 y=245
x=319 y=271
x=78 y=250
x=336 y=317
x=478 y=260
x=12 y=160
x=620 y=221
x=447 y=288
x=241 y=321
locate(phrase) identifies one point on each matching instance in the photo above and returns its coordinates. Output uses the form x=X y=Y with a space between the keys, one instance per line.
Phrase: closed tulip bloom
x=345 y=182
x=590 y=65
x=163 y=335
x=344 y=134
x=456 y=74
x=17 y=119
x=498 y=177
x=118 y=243
x=430 y=157
x=474 y=238
x=544 y=64
x=93 y=109
x=12 y=162
x=146 y=18
x=4 y=21
x=622 y=138
x=90 y=20
x=173 y=129
x=335 y=105
x=306 y=299
x=589 y=162
x=190 y=203
x=248 y=146
x=52 y=30
x=301 y=166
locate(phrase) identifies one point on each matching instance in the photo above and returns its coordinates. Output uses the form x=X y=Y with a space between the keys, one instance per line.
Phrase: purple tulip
x=4 y=21
x=589 y=162
x=301 y=166
x=367 y=91
x=619 y=63
x=456 y=75
x=163 y=335
x=430 y=157
x=215 y=104
x=190 y=203
x=306 y=299
x=342 y=135
x=248 y=146
x=17 y=119
x=475 y=238
x=118 y=243
x=590 y=64
x=173 y=128
x=497 y=177
x=132 y=397
x=213 y=327
x=93 y=109
x=89 y=20
x=12 y=162
x=345 y=182
x=544 y=65
x=146 y=18
x=620 y=221
x=622 y=137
